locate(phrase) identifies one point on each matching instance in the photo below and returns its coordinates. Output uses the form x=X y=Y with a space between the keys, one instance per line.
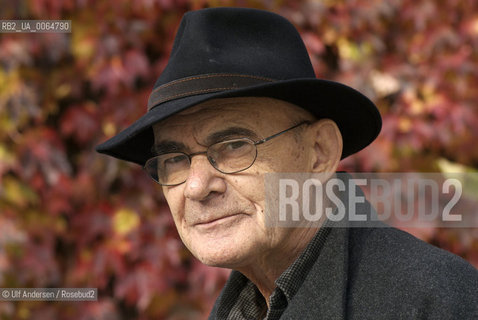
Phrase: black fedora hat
x=240 y=52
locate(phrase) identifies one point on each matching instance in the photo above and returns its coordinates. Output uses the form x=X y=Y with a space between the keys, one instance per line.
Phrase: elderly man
x=239 y=99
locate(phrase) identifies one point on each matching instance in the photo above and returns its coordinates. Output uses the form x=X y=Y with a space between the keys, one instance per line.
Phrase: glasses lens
x=232 y=155
x=169 y=168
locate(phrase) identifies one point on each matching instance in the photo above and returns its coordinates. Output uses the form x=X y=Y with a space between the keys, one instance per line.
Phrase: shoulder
x=402 y=252
x=388 y=265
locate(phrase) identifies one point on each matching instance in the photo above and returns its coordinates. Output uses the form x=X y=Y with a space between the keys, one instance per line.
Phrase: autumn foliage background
x=72 y=218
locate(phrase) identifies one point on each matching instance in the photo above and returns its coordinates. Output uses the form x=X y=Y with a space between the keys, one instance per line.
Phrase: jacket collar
x=326 y=282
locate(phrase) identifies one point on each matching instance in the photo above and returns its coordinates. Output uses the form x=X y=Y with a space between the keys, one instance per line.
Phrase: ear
x=327 y=145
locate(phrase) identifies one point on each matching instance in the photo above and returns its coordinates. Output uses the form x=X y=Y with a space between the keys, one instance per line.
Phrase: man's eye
x=175 y=160
x=234 y=145
x=233 y=149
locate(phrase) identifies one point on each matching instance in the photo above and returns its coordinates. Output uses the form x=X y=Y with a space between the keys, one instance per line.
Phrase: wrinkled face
x=220 y=217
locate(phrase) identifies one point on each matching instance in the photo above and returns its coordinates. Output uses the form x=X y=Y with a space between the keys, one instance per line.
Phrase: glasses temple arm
x=279 y=133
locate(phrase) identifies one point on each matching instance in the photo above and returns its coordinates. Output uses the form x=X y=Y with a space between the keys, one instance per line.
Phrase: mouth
x=218 y=221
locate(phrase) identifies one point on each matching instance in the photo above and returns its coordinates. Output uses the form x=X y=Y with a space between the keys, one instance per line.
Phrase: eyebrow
x=168 y=146
x=230 y=133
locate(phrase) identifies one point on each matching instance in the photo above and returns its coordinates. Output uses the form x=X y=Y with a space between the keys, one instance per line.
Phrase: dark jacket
x=383 y=273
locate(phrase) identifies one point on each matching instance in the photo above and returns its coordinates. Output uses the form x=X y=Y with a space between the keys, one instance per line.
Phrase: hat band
x=200 y=84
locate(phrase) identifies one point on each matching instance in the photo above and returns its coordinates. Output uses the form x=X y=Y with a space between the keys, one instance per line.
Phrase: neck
x=270 y=266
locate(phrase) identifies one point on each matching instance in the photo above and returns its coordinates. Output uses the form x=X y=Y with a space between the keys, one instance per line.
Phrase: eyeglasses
x=230 y=156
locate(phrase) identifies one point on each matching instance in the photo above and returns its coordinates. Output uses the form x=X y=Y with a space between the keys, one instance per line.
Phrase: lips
x=216 y=220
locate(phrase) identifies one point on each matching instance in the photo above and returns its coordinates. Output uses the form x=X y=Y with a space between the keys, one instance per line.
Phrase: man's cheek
x=173 y=199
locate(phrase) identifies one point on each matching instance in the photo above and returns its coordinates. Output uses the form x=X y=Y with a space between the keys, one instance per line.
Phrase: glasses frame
x=210 y=160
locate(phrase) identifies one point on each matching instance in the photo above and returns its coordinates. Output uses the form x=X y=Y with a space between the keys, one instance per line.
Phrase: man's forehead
x=260 y=115
x=248 y=111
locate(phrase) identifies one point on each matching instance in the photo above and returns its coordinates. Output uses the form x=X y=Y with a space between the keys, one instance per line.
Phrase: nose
x=203 y=180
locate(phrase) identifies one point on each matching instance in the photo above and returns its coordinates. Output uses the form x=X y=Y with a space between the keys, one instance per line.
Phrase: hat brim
x=356 y=116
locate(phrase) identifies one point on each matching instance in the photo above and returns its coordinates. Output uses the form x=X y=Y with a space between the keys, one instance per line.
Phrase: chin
x=226 y=245
x=222 y=257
